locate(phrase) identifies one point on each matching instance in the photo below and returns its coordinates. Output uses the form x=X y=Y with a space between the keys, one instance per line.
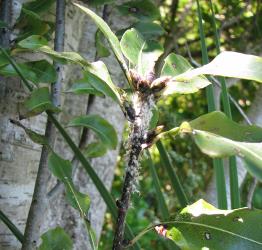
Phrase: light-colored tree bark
x=19 y=157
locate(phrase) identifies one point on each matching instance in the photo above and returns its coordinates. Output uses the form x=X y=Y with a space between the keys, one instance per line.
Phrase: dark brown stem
x=138 y=135
x=39 y=200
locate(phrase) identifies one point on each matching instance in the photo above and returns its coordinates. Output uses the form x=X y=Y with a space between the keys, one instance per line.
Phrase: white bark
x=19 y=157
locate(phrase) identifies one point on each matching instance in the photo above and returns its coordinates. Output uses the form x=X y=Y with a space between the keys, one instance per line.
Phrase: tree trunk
x=19 y=157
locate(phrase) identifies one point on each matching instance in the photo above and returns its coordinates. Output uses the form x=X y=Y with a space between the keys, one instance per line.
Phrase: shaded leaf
x=104 y=130
x=98 y=76
x=148 y=30
x=112 y=39
x=101 y=49
x=33 y=42
x=62 y=169
x=35 y=137
x=83 y=87
x=175 y=65
x=95 y=149
x=154 y=118
x=92 y=236
x=203 y=226
x=141 y=9
x=56 y=239
x=35 y=71
x=38 y=102
x=99 y=2
x=39 y=6
x=139 y=52
x=230 y=64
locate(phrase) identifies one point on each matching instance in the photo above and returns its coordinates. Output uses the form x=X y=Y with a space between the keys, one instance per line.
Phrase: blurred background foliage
x=240 y=25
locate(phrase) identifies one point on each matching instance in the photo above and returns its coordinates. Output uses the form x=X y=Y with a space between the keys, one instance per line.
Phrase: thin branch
x=5 y=16
x=39 y=200
x=251 y=192
x=59 y=187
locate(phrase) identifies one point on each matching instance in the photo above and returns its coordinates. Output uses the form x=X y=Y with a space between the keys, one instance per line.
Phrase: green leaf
x=16 y=232
x=98 y=76
x=33 y=42
x=101 y=49
x=218 y=146
x=92 y=237
x=104 y=130
x=35 y=137
x=112 y=39
x=83 y=87
x=154 y=118
x=64 y=57
x=39 y=6
x=148 y=56
x=175 y=65
x=131 y=44
x=31 y=24
x=202 y=226
x=140 y=52
x=230 y=64
x=3 y=24
x=38 y=102
x=141 y=9
x=35 y=71
x=218 y=123
x=99 y=2
x=222 y=141
x=62 y=169
x=148 y=30
x=56 y=239
x=95 y=149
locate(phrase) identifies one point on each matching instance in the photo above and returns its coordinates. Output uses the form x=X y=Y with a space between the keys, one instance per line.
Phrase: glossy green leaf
x=33 y=42
x=35 y=71
x=72 y=57
x=62 y=169
x=101 y=49
x=100 y=85
x=104 y=130
x=218 y=146
x=218 y=123
x=175 y=65
x=112 y=39
x=56 y=239
x=95 y=149
x=131 y=44
x=39 y=6
x=230 y=64
x=139 y=52
x=141 y=9
x=202 y=226
x=98 y=76
x=38 y=102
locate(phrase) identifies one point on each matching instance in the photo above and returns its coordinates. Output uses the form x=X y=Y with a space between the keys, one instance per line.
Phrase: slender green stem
x=160 y=197
x=217 y=163
x=175 y=182
x=233 y=177
x=16 y=232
